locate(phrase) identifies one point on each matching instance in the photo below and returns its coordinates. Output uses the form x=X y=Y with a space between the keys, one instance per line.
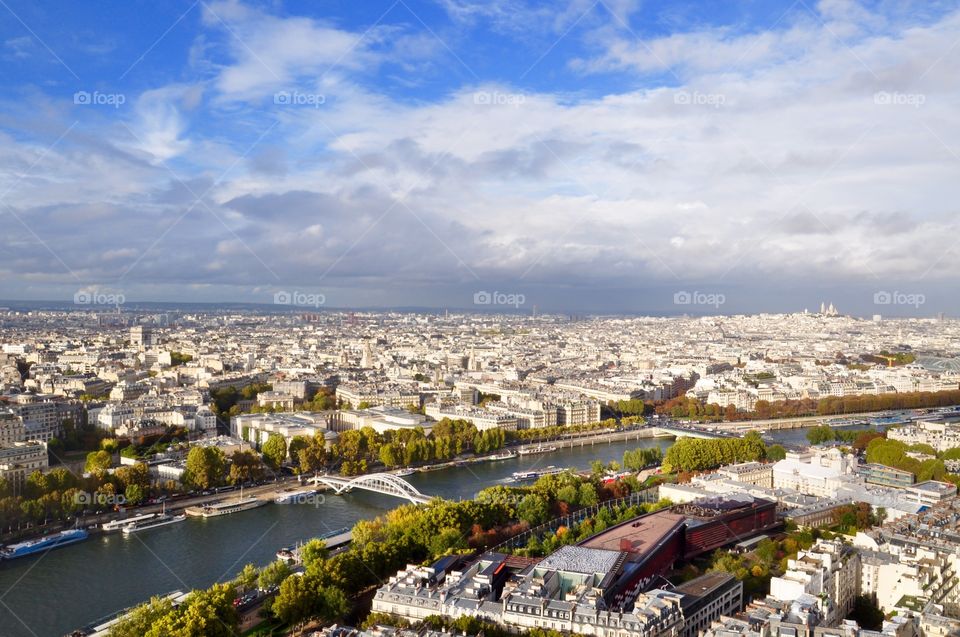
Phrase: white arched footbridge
x=385 y=483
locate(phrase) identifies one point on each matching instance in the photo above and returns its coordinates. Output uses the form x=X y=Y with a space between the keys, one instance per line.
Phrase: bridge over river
x=385 y=483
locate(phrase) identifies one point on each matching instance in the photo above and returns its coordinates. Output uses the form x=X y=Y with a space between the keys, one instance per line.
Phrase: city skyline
x=610 y=157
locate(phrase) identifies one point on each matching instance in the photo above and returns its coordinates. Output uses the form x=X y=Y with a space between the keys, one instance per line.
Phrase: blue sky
x=590 y=156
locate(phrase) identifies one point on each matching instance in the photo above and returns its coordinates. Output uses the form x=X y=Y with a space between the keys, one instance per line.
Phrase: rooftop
x=643 y=533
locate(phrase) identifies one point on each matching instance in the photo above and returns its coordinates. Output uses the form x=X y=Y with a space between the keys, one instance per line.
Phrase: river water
x=52 y=594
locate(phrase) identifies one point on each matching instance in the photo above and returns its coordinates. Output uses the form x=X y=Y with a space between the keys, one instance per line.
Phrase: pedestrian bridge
x=385 y=483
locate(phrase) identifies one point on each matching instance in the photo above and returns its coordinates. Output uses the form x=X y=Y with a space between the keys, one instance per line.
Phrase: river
x=54 y=593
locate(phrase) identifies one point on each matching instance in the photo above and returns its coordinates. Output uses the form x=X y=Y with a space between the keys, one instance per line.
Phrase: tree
x=313 y=456
x=568 y=494
x=587 y=495
x=98 y=462
x=867 y=613
x=296 y=444
x=275 y=451
x=245 y=466
x=533 y=509
x=312 y=552
x=134 y=494
x=820 y=435
x=303 y=597
x=247 y=578
x=206 y=467
x=272 y=574
x=776 y=452
x=139 y=621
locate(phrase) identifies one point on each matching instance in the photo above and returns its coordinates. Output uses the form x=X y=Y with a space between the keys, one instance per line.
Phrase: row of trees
x=642 y=457
x=685 y=407
x=205 y=613
x=695 y=454
x=59 y=495
x=356 y=450
x=856 y=438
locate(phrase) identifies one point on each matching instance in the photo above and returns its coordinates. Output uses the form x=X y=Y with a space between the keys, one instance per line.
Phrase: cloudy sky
x=584 y=155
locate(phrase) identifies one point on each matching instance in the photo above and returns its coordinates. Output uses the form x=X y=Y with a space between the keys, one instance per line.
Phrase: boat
x=296 y=497
x=533 y=474
x=504 y=455
x=530 y=451
x=225 y=507
x=45 y=543
x=404 y=472
x=117 y=525
x=146 y=525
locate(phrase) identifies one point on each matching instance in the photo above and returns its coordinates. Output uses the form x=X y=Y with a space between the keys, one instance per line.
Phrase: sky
x=576 y=155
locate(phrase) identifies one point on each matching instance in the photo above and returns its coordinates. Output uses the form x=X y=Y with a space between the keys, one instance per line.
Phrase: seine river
x=67 y=588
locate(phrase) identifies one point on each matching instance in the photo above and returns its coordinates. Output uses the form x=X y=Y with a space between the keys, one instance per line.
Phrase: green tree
x=275 y=451
x=98 y=462
x=272 y=574
x=138 y=622
x=247 y=578
x=587 y=495
x=206 y=468
x=245 y=466
x=296 y=444
x=533 y=509
x=134 y=494
x=776 y=452
x=312 y=552
x=819 y=435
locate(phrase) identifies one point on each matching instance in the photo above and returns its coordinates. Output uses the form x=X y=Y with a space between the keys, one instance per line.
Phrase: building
x=142 y=338
x=20 y=460
x=12 y=430
x=755 y=473
x=482 y=419
x=43 y=414
x=374 y=395
x=815 y=472
x=257 y=428
x=575 y=590
x=381 y=419
x=931 y=492
x=829 y=571
x=887 y=476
